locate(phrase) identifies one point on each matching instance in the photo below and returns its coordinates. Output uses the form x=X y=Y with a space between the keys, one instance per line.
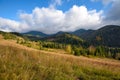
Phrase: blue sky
x=50 y=16
x=11 y=8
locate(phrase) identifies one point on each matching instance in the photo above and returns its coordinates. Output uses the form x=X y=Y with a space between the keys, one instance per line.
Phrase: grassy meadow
x=29 y=64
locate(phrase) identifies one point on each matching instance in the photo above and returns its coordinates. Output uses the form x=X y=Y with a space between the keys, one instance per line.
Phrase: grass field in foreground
x=17 y=63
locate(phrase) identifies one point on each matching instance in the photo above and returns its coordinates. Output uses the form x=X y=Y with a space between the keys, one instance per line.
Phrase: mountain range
x=108 y=35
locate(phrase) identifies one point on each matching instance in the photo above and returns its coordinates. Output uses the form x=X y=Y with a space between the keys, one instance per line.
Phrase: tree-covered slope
x=108 y=36
x=65 y=38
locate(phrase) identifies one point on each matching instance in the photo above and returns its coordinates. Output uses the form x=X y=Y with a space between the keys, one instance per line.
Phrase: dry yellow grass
x=33 y=64
x=104 y=62
x=1 y=37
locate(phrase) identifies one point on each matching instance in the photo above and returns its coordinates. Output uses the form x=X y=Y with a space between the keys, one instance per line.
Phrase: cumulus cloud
x=50 y=20
x=80 y=17
x=8 y=25
x=105 y=2
x=58 y=2
x=55 y=3
x=44 y=19
x=12 y=26
x=113 y=14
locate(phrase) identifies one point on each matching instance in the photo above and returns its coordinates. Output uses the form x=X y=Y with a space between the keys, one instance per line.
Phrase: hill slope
x=108 y=35
x=23 y=63
x=65 y=38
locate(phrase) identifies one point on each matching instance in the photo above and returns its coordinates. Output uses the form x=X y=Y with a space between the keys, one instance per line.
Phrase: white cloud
x=112 y=15
x=58 y=2
x=55 y=3
x=44 y=19
x=51 y=20
x=11 y=25
x=105 y=2
x=80 y=17
x=8 y=25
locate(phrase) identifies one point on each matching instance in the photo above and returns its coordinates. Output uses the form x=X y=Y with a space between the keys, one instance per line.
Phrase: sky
x=51 y=16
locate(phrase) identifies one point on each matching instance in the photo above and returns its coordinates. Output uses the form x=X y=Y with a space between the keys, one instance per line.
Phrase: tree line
x=99 y=51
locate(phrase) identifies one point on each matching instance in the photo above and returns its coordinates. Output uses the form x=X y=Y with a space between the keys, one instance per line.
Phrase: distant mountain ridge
x=108 y=35
x=82 y=32
x=36 y=33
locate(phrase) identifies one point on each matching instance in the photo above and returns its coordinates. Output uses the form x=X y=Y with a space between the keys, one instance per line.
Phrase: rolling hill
x=23 y=63
x=65 y=38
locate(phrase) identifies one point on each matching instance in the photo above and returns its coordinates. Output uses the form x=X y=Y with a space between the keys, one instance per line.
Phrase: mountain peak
x=36 y=33
x=109 y=27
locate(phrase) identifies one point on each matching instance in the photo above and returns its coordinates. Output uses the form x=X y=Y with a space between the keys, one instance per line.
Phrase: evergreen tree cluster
x=99 y=51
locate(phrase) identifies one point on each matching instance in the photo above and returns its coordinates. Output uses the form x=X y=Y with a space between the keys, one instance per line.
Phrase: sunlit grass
x=25 y=64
